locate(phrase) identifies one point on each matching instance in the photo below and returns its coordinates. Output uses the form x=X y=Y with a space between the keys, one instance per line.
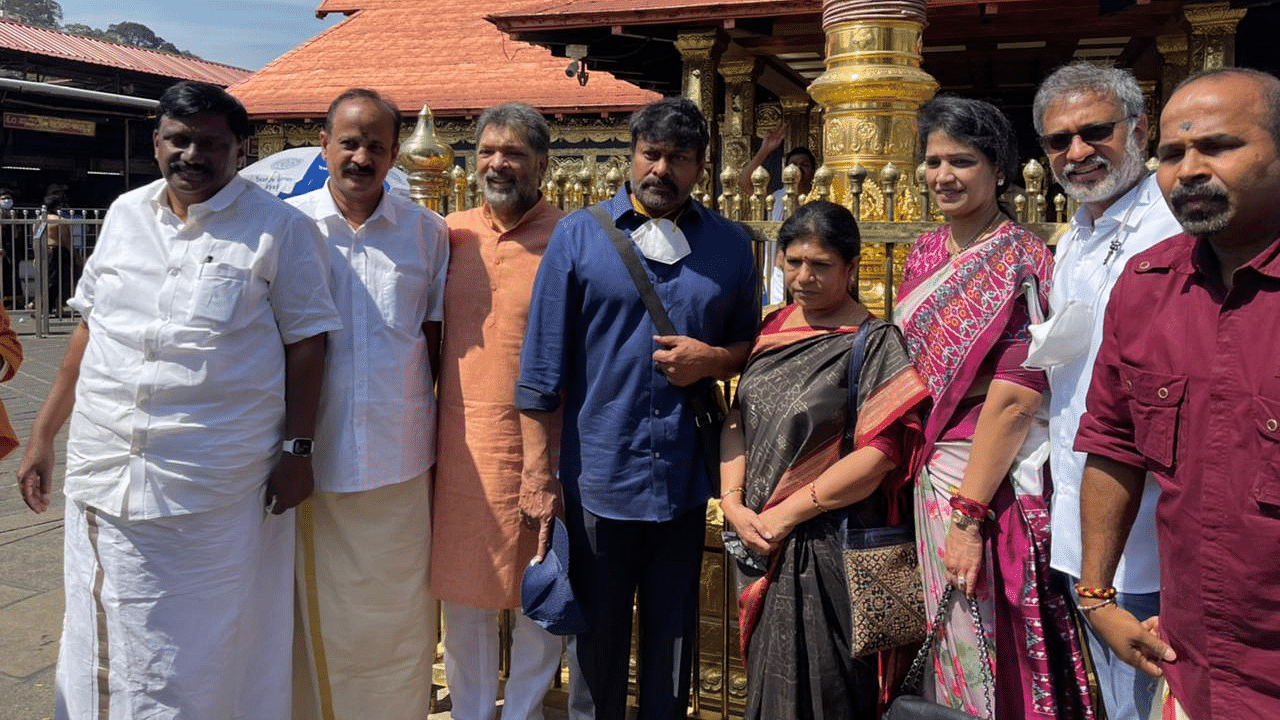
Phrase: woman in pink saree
x=982 y=512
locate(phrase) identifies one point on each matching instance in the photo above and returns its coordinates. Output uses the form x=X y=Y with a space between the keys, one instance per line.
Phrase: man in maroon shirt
x=1187 y=386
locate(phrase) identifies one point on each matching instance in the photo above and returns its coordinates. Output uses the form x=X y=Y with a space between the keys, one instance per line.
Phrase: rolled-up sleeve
x=542 y=358
x=1107 y=426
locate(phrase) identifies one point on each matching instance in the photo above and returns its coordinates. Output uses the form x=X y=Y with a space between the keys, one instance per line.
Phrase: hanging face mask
x=1062 y=338
x=661 y=240
x=6 y=203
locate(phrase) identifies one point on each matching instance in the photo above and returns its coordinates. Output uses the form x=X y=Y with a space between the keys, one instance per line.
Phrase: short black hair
x=972 y=122
x=831 y=225
x=673 y=121
x=372 y=96
x=190 y=97
x=801 y=150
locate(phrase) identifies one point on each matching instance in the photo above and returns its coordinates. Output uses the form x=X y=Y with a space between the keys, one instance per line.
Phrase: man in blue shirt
x=635 y=487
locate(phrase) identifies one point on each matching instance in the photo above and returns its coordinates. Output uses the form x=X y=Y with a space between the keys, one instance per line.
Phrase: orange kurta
x=479 y=546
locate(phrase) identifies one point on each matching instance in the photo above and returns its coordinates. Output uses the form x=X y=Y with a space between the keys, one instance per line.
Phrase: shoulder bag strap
x=856 y=355
x=911 y=684
x=629 y=258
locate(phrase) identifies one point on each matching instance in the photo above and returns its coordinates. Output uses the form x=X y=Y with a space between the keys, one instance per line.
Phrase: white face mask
x=6 y=203
x=662 y=241
x=1062 y=338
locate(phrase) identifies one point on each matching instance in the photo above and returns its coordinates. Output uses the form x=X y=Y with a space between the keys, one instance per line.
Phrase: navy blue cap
x=545 y=594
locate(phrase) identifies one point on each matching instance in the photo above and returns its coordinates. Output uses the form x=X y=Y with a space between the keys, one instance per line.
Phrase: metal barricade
x=41 y=258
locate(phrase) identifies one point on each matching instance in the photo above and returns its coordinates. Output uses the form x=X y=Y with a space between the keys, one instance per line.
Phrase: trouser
x=471 y=664
x=1126 y=691
x=615 y=565
x=366 y=631
x=176 y=618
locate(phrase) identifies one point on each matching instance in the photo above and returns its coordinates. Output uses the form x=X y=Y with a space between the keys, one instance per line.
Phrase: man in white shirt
x=365 y=632
x=205 y=306
x=1092 y=127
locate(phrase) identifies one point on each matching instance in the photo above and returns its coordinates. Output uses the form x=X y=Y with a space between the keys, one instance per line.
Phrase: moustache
x=662 y=183
x=357 y=169
x=180 y=166
x=1182 y=194
x=1102 y=162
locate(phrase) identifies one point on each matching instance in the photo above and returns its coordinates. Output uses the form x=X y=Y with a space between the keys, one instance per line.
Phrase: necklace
x=983 y=231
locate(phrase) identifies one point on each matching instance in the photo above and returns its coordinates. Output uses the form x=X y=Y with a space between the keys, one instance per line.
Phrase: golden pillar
x=1173 y=51
x=429 y=163
x=739 y=111
x=872 y=89
x=1213 y=34
x=795 y=113
x=701 y=53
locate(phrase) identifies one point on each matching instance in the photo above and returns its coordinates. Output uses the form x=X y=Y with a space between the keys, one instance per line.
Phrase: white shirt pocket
x=217 y=294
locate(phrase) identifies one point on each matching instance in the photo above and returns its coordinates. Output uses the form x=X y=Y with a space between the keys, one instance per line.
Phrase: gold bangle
x=729 y=492
x=813 y=495
x=1086 y=609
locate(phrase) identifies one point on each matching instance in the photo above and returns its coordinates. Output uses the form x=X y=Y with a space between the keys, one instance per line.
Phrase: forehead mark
x=1186 y=125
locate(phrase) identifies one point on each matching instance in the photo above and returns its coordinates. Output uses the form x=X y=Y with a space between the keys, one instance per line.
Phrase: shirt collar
x=220 y=201
x=327 y=208
x=538 y=209
x=1126 y=212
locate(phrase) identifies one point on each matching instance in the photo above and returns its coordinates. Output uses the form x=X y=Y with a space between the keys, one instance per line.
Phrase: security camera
x=572 y=69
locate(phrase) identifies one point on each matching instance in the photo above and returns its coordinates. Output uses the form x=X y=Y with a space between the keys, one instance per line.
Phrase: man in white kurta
x=1121 y=214
x=366 y=632
x=205 y=305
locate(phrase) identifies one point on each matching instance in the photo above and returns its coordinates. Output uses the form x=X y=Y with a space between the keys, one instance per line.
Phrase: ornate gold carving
x=1213 y=29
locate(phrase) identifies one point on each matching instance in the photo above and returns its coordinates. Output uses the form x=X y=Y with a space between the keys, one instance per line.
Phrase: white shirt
x=1139 y=219
x=180 y=402
x=377 y=423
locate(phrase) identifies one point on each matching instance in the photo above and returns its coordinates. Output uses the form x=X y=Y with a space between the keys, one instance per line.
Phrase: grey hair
x=520 y=116
x=1085 y=77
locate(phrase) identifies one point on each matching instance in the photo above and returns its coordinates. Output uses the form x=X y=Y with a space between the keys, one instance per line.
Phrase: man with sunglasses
x=1093 y=130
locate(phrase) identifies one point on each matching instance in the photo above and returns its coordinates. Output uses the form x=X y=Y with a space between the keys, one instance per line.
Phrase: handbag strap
x=857 y=354
x=911 y=684
x=702 y=413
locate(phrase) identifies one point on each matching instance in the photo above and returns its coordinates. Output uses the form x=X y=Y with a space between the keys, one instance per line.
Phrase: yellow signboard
x=45 y=123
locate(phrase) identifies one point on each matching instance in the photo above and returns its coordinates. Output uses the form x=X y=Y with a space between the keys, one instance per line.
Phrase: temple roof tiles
x=441 y=52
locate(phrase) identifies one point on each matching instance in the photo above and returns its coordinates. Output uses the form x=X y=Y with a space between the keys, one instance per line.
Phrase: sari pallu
x=794 y=612
x=954 y=314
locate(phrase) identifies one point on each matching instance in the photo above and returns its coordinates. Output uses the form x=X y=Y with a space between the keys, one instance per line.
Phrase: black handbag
x=909 y=705
x=706 y=399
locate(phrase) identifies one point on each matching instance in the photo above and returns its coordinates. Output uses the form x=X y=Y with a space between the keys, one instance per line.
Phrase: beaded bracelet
x=970 y=507
x=729 y=492
x=813 y=495
x=1086 y=609
x=1096 y=593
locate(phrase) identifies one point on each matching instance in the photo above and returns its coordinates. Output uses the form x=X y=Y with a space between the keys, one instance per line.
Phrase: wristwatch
x=300 y=447
x=962 y=521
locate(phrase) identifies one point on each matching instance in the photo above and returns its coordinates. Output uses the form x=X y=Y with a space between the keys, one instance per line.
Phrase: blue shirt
x=629 y=449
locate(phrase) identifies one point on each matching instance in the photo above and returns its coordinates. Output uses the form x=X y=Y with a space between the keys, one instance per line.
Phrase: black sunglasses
x=1094 y=133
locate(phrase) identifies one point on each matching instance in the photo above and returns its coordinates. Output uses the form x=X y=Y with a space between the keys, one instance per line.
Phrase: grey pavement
x=31 y=548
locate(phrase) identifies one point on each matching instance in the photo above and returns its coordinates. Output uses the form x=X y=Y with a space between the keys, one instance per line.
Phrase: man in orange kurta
x=480 y=540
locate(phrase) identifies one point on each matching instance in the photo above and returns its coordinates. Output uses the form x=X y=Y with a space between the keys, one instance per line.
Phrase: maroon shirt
x=1187 y=386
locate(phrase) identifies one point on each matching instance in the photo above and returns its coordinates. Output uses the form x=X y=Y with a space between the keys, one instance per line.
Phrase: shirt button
x=657 y=455
x=174 y=271
x=1272 y=425
x=656 y=412
x=1144 y=265
x=1162 y=393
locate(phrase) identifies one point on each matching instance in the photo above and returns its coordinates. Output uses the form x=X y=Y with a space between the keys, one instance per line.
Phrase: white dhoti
x=185 y=617
x=471 y=664
x=366 y=631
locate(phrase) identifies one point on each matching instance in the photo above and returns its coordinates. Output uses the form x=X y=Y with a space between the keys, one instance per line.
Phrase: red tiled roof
x=23 y=38
x=441 y=52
